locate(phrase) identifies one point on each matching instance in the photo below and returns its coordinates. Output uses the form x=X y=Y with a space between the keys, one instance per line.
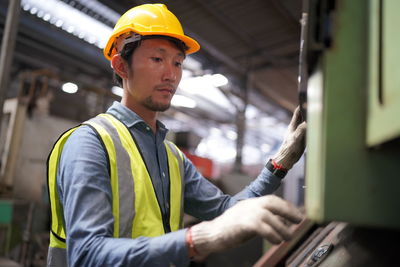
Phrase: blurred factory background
x=229 y=114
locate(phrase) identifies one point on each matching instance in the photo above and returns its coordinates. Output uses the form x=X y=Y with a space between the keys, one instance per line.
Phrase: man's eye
x=156 y=59
x=178 y=64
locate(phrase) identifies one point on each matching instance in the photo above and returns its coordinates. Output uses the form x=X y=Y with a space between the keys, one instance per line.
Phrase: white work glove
x=294 y=143
x=263 y=216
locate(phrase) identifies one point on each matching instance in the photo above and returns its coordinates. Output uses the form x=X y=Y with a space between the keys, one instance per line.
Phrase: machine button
x=318 y=255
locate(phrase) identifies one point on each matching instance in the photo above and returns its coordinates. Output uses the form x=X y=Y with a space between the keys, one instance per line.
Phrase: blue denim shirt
x=84 y=189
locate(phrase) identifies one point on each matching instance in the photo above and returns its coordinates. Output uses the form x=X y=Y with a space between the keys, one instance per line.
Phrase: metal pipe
x=7 y=49
x=26 y=237
x=241 y=124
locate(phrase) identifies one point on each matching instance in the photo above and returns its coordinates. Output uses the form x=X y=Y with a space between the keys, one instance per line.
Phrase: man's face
x=154 y=75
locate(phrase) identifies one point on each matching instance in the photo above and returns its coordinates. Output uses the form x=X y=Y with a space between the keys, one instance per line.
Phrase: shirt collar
x=130 y=118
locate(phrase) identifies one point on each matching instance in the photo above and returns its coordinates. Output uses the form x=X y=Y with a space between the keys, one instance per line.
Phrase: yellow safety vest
x=134 y=203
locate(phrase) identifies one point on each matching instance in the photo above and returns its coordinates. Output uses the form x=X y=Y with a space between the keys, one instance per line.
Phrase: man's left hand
x=294 y=143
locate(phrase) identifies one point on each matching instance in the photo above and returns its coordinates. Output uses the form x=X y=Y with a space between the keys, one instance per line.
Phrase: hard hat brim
x=193 y=45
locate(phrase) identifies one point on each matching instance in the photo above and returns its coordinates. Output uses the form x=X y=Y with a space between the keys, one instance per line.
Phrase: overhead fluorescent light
x=183 y=101
x=218 y=80
x=231 y=135
x=69 y=19
x=192 y=64
x=266 y=148
x=116 y=90
x=252 y=112
x=82 y=25
x=70 y=88
x=203 y=86
x=186 y=73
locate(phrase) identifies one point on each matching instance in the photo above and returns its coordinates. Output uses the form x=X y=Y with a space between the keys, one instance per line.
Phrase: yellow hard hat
x=149 y=19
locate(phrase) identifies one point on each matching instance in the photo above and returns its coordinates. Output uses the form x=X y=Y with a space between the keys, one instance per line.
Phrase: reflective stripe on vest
x=135 y=207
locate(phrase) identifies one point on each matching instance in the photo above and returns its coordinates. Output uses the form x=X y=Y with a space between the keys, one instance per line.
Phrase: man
x=118 y=190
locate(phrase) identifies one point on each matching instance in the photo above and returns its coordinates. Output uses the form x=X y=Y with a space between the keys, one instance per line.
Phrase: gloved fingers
x=267 y=232
x=277 y=224
x=296 y=119
x=299 y=136
x=283 y=208
x=301 y=130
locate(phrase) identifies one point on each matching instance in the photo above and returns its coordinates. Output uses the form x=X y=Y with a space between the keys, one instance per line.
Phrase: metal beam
x=228 y=23
x=7 y=49
x=294 y=22
x=218 y=54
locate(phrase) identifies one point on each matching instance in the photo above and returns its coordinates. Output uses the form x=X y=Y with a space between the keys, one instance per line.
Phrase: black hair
x=129 y=48
x=126 y=55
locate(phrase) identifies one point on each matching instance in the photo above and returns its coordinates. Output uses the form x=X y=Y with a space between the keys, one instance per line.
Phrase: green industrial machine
x=350 y=60
x=353 y=158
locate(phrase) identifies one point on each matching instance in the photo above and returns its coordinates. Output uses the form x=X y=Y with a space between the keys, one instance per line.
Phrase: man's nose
x=170 y=72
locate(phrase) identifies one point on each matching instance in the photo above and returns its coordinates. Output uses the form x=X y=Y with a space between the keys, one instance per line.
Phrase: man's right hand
x=264 y=216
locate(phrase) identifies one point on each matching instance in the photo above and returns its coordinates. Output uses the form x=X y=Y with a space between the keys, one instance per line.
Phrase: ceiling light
x=33 y=10
x=117 y=91
x=252 y=112
x=71 y=19
x=70 y=29
x=183 y=101
x=40 y=14
x=218 y=80
x=192 y=64
x=47 y=17
x=70 y=88
x=231 y=135
x=201 y=86
x=91 y=39
x=59 y=23
x=266 y=148
x=186 y=74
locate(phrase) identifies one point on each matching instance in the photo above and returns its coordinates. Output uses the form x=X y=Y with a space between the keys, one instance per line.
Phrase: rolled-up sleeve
x=85 y=193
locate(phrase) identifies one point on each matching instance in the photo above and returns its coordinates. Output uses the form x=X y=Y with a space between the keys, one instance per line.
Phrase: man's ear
x=120 y=66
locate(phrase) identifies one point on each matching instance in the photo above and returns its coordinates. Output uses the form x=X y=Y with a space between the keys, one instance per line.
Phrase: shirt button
x=148 y=128
x=163 y=174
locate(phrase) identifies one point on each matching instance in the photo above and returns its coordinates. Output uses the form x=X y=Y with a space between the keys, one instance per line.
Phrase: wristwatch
x=276 y=169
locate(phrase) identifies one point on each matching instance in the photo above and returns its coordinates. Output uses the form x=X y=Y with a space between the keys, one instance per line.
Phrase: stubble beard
x=153 y=106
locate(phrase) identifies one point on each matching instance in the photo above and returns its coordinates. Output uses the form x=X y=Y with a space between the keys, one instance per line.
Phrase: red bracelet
x=277 y=166
x=189 y=241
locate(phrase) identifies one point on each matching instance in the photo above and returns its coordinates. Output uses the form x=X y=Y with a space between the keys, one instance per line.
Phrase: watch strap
x=278 y=172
